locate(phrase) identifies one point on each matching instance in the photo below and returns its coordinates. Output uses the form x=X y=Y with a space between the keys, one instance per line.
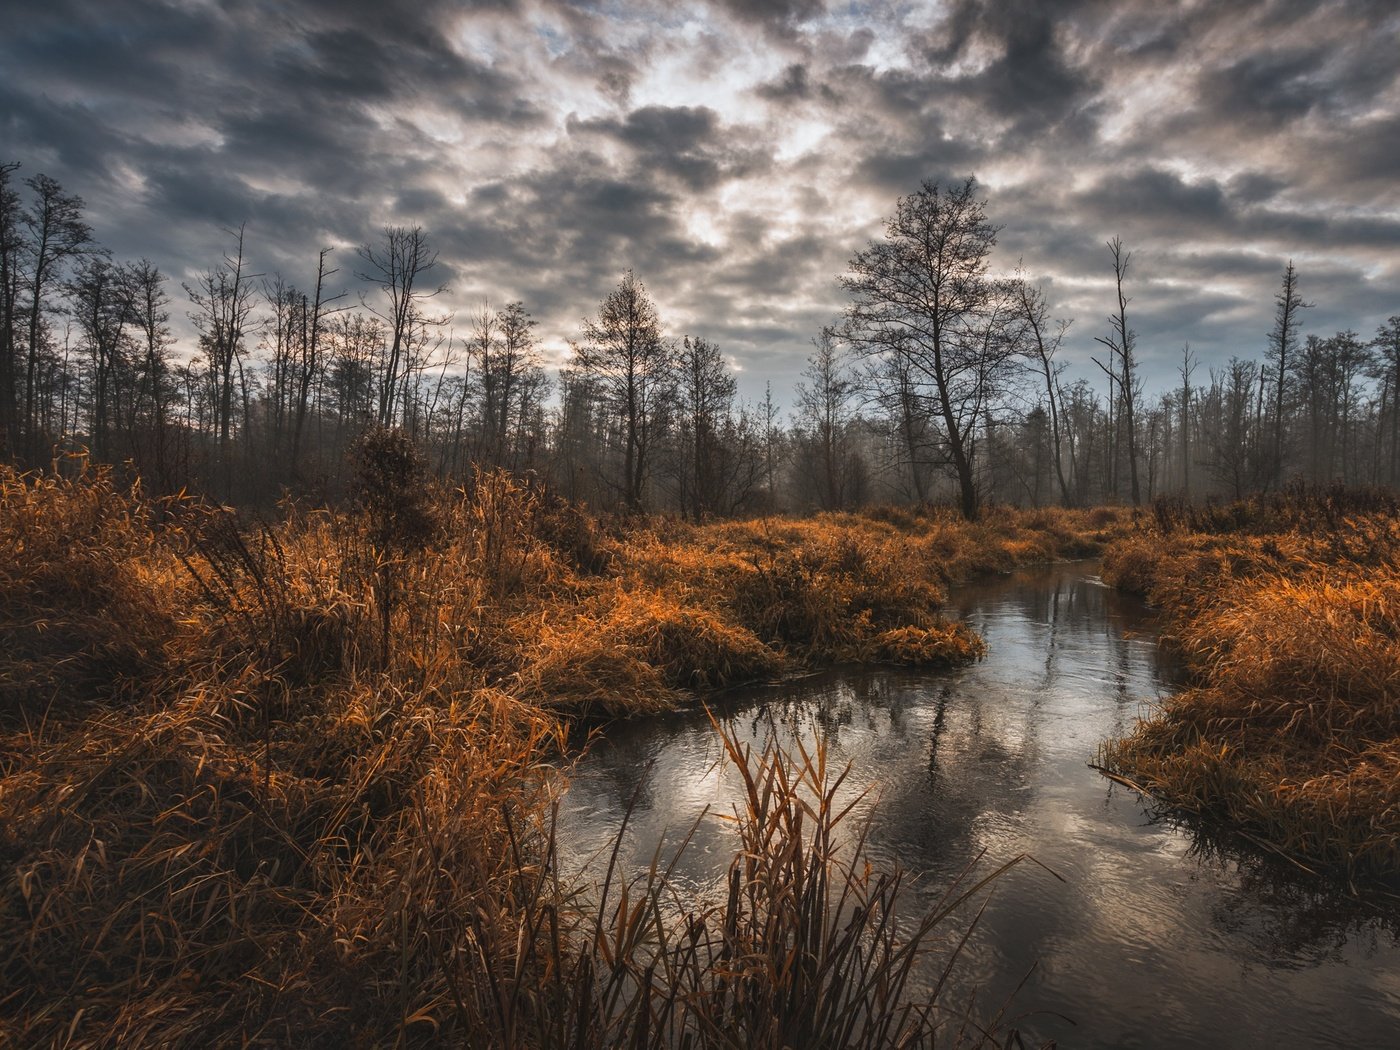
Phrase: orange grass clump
x=1291 y=732
x=290 y=785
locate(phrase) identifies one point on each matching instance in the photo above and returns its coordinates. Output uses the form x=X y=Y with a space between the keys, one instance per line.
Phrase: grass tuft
x=1290 y=627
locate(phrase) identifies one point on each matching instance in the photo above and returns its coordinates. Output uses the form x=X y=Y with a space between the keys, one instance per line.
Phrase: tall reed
x=805 y=947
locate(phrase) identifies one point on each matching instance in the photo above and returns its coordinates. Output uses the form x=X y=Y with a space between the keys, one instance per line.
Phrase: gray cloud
x=736 y=155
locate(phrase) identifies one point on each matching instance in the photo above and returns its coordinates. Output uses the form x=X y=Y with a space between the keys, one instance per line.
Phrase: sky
x=736 y=154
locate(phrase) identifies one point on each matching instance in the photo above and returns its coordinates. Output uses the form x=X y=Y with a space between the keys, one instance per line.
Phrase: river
x=1147 y=938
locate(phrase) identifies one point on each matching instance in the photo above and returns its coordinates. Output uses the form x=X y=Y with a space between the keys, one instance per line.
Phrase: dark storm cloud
x=793 y=86
x=685 y=142
x=1277 y=86
x=779 y=18
x=1271 y=88
x=1029 y=81
x=937 y=158
x=735 y=155
x=1150 y=195
x=1365 y=153
x=561 y=239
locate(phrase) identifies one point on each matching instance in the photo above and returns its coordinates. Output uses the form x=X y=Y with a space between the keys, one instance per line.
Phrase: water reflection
x=1150 y=940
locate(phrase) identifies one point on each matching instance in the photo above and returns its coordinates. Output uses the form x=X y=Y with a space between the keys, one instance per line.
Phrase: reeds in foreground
x=805 y=948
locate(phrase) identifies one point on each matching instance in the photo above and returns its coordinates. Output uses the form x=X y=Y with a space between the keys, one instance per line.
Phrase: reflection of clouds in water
x=992 y=757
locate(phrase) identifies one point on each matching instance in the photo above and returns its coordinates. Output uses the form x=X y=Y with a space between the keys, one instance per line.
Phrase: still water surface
x=1149 y=940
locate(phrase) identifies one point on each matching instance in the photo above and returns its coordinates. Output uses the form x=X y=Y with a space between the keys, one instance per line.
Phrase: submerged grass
x=290 y=785
x=1288 y=615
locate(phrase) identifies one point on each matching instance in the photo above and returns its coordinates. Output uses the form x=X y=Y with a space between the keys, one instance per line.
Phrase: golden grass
x=1291 y=731
x=805 y=949
x=234 y=808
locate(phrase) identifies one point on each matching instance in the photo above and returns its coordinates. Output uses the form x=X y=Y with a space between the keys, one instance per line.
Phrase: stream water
x=1147 y=938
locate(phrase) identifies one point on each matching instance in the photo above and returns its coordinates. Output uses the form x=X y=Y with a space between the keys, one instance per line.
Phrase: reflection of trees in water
x=940 y=726
x=820 y=707
x=1061 y=596
x=958 y=760
x=869 y=700
x=986 y=730
x=619 y=768
x=981 y=745
x=1294 y=918
x=975 y=766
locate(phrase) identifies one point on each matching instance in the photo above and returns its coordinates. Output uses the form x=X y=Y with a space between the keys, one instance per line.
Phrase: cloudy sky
x=736 y=153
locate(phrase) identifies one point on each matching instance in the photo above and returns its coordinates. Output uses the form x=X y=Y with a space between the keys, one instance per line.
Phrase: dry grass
x=236 y=807
x=1291 y=732
x=804 y=950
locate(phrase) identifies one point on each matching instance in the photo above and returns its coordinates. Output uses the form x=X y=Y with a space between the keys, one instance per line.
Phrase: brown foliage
x=1290 y=626
x=228 y=811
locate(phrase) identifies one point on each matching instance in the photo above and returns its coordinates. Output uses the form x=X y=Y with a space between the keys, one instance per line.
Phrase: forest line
x=942 y=381
x=296 y=781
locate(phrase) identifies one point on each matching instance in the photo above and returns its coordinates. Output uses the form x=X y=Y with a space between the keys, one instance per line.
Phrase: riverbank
x=987 y=762
x=287 y=781
x=1287 y=611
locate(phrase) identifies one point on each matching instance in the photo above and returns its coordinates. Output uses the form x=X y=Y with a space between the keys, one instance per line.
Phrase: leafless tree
x=1185 y=370
x=148 y=312
x=923 y=290
x=1386 y=345
x=11 y=246
x=1122 y=345
x=508 y=380
x=706 y=388
x=224 y=298
x=97 y=301
x=1043 y=340
x=398 y=265
x=824 y=415
x=1283 y=344
x=310 y=359
x=56 y=234
x=623 y=351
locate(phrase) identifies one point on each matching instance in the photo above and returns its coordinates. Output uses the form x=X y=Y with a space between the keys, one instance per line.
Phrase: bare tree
x=98 y=304
x=1230 y=434
x=824 y=416
x=893 y=384
x=623 y=351
x=508 y=378
x=1185 y=369
x=1386 y=345
x=1283 y=342
x=706 y=388
x=1121 y=342
x=223 y=299
x=281 y=326
x=354 y=342
x=398 y=265
x=772 y=443
x=310 y=359
x=1043 y=344
x=12 y=244
x=148 y=312
x=56 y=234
x=1350 y=360
x=924 y=291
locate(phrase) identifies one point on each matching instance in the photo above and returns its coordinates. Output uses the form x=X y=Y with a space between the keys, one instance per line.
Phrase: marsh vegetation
x=1285 y=609
x=294 y=781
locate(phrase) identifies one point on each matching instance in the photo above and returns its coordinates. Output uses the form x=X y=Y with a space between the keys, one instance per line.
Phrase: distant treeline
x=940 y=382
